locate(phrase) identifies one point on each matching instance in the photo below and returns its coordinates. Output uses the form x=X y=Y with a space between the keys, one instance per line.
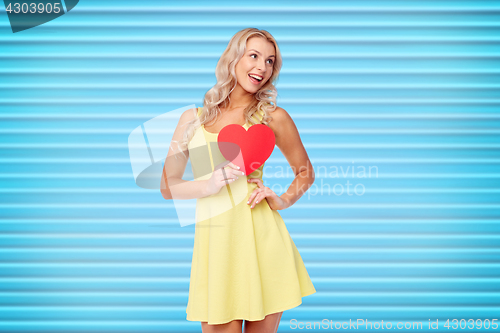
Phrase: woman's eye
x=270 y=60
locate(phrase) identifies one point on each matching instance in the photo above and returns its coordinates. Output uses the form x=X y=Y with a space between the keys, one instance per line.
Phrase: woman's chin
x=253 y=90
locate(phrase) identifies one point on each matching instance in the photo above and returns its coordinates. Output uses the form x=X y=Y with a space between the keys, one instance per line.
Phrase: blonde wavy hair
x=218 y=96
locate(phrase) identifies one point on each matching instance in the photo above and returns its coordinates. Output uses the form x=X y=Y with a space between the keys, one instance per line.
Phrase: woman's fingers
x=257 y=181
x=231 y=166
x=222 y=175
x=230 y=173
x=259 y=193
x=231 y=170
x=225 y=181
x=251 y=197
x=256 y=196
x=234 y=166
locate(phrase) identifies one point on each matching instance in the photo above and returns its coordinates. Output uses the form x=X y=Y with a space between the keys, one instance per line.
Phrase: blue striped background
x=410 y=88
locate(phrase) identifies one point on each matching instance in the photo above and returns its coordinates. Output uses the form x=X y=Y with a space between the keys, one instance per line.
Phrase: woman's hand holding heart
x=275 y=202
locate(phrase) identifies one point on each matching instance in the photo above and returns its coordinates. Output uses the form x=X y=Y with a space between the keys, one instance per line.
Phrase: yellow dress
x=245 y=264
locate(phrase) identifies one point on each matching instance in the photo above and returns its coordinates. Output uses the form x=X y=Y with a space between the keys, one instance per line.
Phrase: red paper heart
x=247 y=149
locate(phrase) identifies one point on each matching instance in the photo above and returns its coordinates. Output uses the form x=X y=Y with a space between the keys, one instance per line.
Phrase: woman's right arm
x=174 y=187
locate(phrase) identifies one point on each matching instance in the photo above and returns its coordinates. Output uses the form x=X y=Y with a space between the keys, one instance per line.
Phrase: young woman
x=245 y=266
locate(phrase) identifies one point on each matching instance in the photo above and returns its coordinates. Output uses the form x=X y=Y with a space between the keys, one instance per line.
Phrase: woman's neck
x=239 y=98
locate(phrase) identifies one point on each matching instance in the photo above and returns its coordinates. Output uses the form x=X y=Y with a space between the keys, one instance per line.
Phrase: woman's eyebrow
x=260 y=53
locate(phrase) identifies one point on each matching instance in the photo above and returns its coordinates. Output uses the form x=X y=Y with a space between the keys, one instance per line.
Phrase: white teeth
x=258 y=78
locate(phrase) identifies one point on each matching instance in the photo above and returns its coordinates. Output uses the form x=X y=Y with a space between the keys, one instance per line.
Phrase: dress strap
x=199 y=111
x=259 y=115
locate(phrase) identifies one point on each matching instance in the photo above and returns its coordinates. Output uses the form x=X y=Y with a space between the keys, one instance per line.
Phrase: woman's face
x=258 y=60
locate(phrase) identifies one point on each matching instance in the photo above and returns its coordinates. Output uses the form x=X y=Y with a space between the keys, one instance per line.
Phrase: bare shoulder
x=280 y=114
x=185 y=118
x=189 y=115
x=282 y=122
x=288 y=139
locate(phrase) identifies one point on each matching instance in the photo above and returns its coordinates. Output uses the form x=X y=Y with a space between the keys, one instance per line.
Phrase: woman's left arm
x=289 y=142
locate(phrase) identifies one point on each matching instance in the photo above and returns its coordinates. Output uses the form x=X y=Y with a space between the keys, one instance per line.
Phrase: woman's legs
x=231 y=327
x=267 y=325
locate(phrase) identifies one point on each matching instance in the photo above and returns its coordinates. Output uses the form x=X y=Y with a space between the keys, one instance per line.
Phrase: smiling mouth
x=255 y=78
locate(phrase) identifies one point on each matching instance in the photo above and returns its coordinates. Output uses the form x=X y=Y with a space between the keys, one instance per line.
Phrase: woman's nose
x=261 y=66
